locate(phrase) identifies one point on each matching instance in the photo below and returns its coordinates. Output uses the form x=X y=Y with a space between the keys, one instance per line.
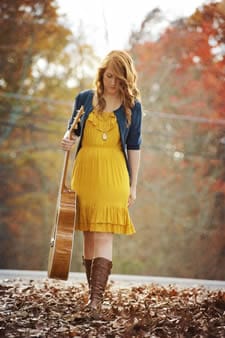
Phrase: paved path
x=120 y=280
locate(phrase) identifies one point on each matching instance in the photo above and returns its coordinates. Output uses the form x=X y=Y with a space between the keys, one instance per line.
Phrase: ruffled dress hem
x=105 y=219
x=103 y=227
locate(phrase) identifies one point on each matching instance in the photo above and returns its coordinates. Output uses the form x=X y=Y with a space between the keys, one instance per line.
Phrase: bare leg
x=88 y=245
x=103 y=245
x=98 y=244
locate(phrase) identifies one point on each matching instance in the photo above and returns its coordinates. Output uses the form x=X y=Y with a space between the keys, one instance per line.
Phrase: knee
x=103 y=237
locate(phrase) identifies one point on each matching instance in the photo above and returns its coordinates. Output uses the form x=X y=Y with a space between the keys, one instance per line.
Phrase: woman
x=106 y=165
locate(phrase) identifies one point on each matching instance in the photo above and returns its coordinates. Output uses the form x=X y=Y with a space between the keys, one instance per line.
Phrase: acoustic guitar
x=62 y=237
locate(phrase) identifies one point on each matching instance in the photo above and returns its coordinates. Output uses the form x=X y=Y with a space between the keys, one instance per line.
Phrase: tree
x=181 y=79
x=40 y=73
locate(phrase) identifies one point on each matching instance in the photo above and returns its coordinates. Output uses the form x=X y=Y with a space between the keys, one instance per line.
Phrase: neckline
x=104 y=114
x=113 y=111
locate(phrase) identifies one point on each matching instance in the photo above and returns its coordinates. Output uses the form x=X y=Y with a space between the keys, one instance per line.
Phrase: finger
x=130 y=201
x=65 y=145
x=66 y=141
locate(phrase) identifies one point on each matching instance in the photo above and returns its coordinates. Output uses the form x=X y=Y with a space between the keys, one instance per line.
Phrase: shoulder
x=84 y=94
x=137 y=105
x=137 y=108
x=84 y=98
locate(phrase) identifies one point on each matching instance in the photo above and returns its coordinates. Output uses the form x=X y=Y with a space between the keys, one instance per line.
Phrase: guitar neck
x=63 y=186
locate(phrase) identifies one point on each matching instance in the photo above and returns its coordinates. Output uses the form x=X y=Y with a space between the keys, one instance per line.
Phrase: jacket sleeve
x=134 y=138
x=77 y=105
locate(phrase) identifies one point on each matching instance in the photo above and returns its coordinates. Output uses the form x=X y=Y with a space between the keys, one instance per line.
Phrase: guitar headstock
x=76 y=120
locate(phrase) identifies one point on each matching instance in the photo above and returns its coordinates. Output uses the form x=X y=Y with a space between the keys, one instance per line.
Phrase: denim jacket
x=130 y=135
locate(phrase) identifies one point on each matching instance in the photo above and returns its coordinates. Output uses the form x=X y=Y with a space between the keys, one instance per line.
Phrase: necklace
x=105 y=124
x=104 y=136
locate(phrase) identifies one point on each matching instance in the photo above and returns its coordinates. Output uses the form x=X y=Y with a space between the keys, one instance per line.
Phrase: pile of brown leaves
x=49 y=308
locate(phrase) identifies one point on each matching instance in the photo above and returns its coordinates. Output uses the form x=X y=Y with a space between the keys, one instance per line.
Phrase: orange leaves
x=187 y=62
x=219 y=185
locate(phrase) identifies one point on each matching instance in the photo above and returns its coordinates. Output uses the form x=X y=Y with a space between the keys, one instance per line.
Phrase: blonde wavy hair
x=123 y=68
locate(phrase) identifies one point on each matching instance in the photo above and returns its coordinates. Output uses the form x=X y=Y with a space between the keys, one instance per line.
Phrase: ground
x=50 y=308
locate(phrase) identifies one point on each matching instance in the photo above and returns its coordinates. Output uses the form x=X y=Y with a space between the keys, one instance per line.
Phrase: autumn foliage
x=181 y=75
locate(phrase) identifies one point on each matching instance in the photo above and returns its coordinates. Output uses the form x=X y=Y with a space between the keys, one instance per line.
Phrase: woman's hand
x=66 y=142
x=132 y=196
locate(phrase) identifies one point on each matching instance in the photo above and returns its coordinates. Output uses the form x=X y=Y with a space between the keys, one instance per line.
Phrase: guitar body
x=61 y=244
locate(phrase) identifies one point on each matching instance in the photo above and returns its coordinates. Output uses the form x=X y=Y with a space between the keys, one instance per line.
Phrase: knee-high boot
x=87 y=264
x=101 y=268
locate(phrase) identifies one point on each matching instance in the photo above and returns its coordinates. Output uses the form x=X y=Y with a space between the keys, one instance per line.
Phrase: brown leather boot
x=101 y=268
x=87 y=264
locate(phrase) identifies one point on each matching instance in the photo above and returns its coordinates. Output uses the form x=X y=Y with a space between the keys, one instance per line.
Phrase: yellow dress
x=100 y=178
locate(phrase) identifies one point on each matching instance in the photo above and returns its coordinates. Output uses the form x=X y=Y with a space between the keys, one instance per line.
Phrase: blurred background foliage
x=180 y=210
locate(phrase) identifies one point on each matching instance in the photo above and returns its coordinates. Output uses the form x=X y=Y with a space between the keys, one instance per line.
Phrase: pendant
x=104 y=136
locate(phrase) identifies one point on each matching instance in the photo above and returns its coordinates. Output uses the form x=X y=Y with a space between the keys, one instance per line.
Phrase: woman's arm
x=134 y=163
x=67 y=142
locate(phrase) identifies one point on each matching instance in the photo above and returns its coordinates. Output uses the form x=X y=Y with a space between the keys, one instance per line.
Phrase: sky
x=120 y=17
